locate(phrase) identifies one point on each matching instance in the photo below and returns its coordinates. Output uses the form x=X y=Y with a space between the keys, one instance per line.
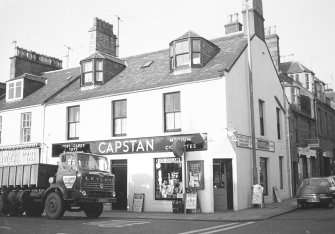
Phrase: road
x=307 y=221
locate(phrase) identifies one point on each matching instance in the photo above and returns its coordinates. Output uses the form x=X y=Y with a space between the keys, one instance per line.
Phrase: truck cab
x=83 y=182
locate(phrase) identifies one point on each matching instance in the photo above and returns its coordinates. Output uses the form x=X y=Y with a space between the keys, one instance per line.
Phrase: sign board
x=257 y=195
x=178 y=148
x=191 y=201
x=156 y=144
x=232 y=134
x=195 y=170
x=313 y=143
x=19 y=157
x=276 y=194
x=261 y=144
x=138 y=202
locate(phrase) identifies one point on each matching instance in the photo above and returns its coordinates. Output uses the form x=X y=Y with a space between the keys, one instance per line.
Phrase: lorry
x=80 y=182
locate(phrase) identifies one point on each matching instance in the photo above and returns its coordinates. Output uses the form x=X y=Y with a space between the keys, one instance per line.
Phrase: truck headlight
x=51 y=180
x=83 y=193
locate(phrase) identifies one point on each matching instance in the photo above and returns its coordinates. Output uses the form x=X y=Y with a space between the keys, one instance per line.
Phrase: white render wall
x=202 y=109
x=266 y=85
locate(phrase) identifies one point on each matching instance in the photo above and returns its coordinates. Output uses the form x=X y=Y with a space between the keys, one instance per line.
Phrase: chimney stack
x=25 y=61
x=255 y=16
x=233 y=24
x=102 y=38
x=272 y=41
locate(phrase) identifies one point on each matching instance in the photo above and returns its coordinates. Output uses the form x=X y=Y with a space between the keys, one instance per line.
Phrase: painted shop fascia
x=157 y=144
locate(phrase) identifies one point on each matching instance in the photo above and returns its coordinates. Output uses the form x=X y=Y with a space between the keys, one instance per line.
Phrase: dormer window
x=191 y=51
x=14 y=90
x=92 y=72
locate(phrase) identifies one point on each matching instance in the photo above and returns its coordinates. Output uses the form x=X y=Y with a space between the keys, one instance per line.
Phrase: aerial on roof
x=64 y=85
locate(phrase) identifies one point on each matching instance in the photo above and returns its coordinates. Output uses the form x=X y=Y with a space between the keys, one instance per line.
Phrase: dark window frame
x=278 y=116
x=281 y=174
x=26 y=119
x=263 y=175
x=71 y=122
x=94 y=72
x=176 y=111
x=119 y=116
x=261 y=117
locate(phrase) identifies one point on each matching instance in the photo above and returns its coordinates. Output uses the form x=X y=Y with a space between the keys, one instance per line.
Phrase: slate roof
x=293 y=67
x=102 y=55
x=133 y=78
x=56 y=80
x=30 y=77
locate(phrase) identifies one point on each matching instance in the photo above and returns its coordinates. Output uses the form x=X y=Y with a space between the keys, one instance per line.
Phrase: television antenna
x=118 y=34
x=68 y=55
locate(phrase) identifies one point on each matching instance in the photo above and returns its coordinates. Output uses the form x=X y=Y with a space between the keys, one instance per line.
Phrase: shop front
x=148 y=166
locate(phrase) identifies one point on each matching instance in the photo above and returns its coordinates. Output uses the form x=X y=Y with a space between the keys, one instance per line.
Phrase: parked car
x=316 y=190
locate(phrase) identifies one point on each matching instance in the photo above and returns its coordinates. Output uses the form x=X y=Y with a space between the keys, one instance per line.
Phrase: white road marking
x=4 y=227
x=117 y=223
x=206 y=229
x=228 y=228
x=219 y=228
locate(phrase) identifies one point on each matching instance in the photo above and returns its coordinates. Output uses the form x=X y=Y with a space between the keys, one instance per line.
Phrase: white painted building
x=134 y=110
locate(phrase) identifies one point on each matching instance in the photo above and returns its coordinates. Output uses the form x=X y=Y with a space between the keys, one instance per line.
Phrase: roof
x=102 y=55
x=293 y=67
x=134 y=77
x=29 y=77
x=64 y=85
x=56 y=81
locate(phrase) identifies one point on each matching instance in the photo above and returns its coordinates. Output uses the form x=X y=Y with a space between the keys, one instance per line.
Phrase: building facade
x=168 y=120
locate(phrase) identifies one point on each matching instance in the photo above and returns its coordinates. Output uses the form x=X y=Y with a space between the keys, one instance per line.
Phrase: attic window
x=92 y=72
x=14 y=90
x=185 y=53
x=147 y=64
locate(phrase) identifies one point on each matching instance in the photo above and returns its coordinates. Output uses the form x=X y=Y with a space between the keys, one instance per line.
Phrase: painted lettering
x=100 y=149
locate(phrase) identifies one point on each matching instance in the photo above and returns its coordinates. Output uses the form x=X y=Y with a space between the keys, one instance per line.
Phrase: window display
x=168 y=178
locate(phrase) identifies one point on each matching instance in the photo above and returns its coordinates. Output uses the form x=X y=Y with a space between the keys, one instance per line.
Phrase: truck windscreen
x=92 y=162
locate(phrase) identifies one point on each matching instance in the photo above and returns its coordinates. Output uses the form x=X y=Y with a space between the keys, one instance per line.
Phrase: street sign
x=313 y=143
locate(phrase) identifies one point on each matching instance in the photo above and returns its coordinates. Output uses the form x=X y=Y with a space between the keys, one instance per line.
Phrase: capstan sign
x=193 y=142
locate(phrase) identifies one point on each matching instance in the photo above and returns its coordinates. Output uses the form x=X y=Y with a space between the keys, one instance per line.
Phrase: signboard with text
x=193 y=142
x=19 y=157
x=261 y=144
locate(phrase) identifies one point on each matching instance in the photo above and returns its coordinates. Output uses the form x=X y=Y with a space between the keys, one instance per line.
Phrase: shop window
x=263 y=175
x=120 y=118
x=172 y=112
x=73 y=118
x=168 y=178
x=26 y=127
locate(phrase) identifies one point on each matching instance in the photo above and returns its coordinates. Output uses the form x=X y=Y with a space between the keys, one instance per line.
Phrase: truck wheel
x=93 y=210
x=34 y=209
x=54 y=206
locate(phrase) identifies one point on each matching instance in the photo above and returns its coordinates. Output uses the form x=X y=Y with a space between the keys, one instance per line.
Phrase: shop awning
x=306 y=151
x=327 y=154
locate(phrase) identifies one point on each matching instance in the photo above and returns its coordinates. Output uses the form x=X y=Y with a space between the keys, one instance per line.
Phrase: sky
x=306 y=28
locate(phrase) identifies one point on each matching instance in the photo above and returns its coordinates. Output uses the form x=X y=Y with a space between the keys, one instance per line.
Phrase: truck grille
x=99 y=194
x=100 y=185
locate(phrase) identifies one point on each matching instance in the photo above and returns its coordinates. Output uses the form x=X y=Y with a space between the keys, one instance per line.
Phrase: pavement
x=251 y=214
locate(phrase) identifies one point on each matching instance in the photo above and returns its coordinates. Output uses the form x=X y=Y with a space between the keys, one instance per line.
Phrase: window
x=307 y=82
x=261 y=116
x=92 y=72
x=182 y=53
x=87 y=72
x=297 y=136
x=319 y=121
x=15 y=90
x=281 y=181
x=120 y=118
x=0 y=129
x=26 y=127
x=172 y=114
x=263 y=175
x=168 y=178
x=278 y=123
x=326 y=124
x=73 y=118
x=99 y=71
x=196 y=55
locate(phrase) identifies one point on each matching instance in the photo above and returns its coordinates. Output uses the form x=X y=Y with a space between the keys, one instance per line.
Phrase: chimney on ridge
x=255 y=16
x=102 y=38
x=25 y=61
x=272 y=41
x=233 y=24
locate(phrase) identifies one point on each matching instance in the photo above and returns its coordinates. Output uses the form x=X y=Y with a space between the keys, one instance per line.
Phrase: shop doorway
x=119 y=169
x=223 y=184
